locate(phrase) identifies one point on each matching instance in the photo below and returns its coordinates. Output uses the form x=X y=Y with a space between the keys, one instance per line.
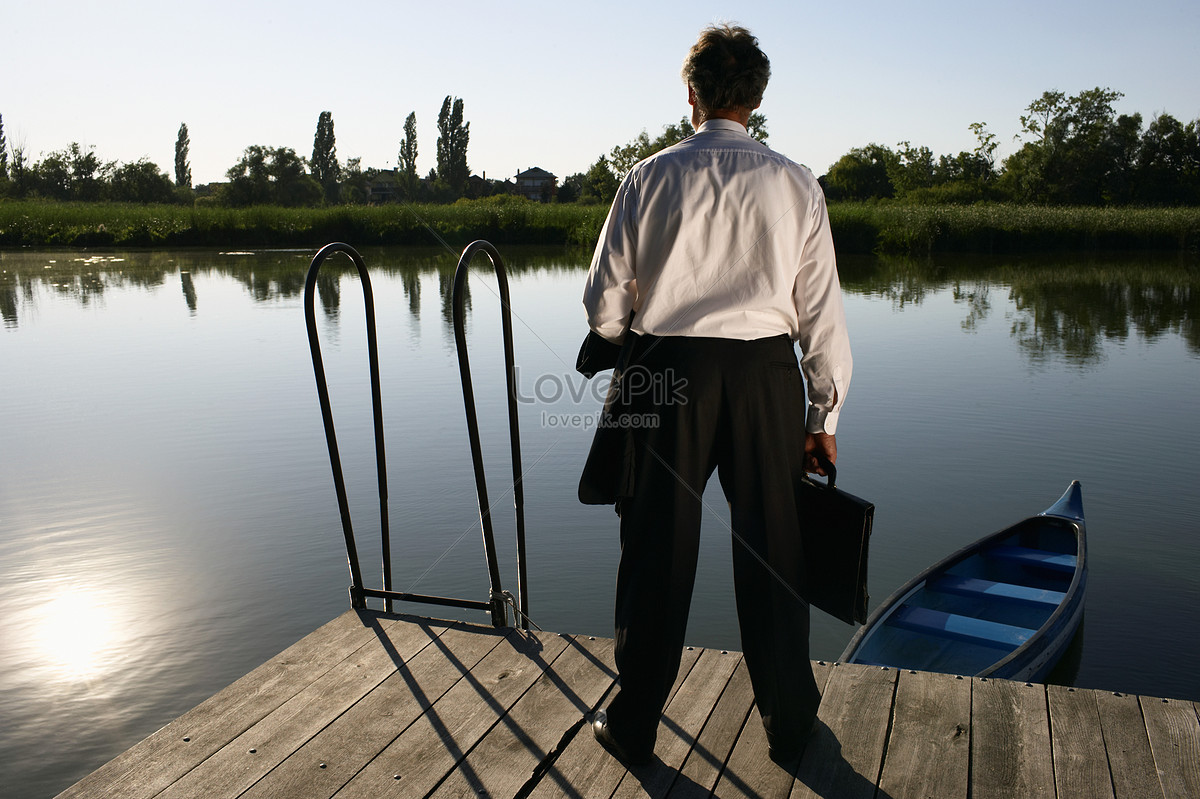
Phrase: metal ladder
x=498 y=599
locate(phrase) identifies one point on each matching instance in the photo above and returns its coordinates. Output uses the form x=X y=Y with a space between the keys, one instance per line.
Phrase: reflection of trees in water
x=446 y=293
x=329 y=292
x=73 y=276
x=411 y=281
x=267 y=276
x=189 y=291
x=1059 y=306
x=1062 y=307
x=978 y=301
x=903 y=281
x=10 y=301
x=1043 y=327
x=269 y=284
x=1074 y=316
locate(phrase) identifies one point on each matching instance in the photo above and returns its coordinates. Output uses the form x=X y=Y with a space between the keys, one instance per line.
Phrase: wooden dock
x=378 y=705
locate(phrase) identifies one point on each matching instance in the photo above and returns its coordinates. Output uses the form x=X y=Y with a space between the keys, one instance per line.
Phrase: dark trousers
x=737 y=407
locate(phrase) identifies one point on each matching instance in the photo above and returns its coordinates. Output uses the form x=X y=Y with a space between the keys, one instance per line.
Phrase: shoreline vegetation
x=879 y=227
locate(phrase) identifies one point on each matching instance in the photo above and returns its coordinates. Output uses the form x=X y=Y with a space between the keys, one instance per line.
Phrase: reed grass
x=499 y=220
x=904 y=229
x=883 y=227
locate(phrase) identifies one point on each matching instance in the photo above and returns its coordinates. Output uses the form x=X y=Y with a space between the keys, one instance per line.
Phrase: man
x=722 y=248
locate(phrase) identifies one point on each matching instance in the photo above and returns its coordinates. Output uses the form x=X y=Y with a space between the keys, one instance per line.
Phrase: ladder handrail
x=460 y=342
x=357 y=589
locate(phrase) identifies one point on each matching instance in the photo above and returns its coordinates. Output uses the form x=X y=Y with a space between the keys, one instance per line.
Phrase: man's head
x=726 y=73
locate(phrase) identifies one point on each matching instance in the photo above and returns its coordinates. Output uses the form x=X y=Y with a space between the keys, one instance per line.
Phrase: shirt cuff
x=821 y=421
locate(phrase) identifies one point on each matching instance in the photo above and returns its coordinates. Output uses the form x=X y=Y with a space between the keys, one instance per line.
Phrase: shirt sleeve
x=611 y=289
x=824 y=342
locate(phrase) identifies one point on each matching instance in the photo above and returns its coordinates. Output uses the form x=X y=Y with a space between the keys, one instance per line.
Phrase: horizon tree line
x=1075 y=150
x=263 y=174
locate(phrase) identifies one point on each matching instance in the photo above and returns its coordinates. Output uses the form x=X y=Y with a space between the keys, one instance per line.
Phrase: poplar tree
x=452 y=141
x=3 y=151
x=324 y=164
x=407 y=157
x=183 y=169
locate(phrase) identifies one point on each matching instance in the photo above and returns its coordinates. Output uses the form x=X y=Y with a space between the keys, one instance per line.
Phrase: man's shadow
x=827 y=773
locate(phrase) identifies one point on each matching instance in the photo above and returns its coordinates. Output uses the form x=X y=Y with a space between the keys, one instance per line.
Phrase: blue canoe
x=1005 y=606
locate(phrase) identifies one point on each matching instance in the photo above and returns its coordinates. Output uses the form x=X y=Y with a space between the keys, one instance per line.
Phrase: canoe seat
x=1054 y=561
x=1002 y=592
x=960 y=628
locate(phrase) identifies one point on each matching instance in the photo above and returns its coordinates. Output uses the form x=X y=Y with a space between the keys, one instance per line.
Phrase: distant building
x=537 y=184
x=383 y=185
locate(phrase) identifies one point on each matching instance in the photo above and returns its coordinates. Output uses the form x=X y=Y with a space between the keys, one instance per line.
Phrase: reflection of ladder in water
x=359 y=593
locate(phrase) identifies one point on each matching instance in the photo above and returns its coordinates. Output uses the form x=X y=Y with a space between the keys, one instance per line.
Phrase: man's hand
x=824 y=443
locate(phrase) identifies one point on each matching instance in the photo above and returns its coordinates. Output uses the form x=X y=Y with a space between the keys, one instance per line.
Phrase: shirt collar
x=721 y=124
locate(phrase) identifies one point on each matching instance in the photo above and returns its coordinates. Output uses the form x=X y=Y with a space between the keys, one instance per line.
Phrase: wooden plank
x=1175 y=741
x=749 y=772
x=331 y=758
x=585 y=766
x=250 y=756
x=1010 y=741
x=1077 y=744
x=515 y=751
x=1130 y=761
x=706 y=761
x=929 y=747
x=682 y=722
x=417 y=761
x=845 y=755
x=148 y=767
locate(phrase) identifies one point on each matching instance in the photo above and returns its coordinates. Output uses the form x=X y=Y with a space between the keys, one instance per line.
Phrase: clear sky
x=556 y=84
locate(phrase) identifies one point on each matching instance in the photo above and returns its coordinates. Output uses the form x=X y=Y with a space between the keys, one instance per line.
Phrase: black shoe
x=786 y=759
x=630 y=757
x=788 y=756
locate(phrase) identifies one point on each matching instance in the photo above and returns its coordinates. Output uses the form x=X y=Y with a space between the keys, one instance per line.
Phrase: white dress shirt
x=719 y=236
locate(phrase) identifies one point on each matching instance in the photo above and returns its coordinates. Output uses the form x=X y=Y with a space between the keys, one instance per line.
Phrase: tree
x=911 y=169
x=1167 y=169
x=861 y=174
x=324 y=165
x=599 y=183
x=354 y=182
x=622 y=157
x=19 y=171
x=271 y=176
x=70 y=174
x=571 y=188
x=963 y=178
x=3 y=152
x=757 y=127
x=140 y=182
x=985 y=150
x=407 y=157
x=183 y=169
x=453 y=136
x=1070 y=155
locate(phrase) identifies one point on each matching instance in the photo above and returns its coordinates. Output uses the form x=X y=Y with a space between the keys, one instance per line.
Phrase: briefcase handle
x=830 y=471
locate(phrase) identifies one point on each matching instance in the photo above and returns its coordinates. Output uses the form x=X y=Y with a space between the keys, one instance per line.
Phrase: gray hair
x=726 y=69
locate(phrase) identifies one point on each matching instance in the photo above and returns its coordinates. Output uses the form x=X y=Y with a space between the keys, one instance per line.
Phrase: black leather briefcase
x=835 y=531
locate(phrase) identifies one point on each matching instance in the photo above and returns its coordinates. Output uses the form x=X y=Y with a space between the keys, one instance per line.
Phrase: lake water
x=168 y=520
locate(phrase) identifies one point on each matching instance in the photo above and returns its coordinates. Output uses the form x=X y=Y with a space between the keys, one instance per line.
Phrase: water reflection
x=1059 y=306
x=189 y=291
x=1072 y=311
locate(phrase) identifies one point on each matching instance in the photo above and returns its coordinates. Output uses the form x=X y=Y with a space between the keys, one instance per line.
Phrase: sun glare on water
x=75 y=635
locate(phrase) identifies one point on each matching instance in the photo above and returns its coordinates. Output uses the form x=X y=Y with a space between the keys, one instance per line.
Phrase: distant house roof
x=535 y=173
